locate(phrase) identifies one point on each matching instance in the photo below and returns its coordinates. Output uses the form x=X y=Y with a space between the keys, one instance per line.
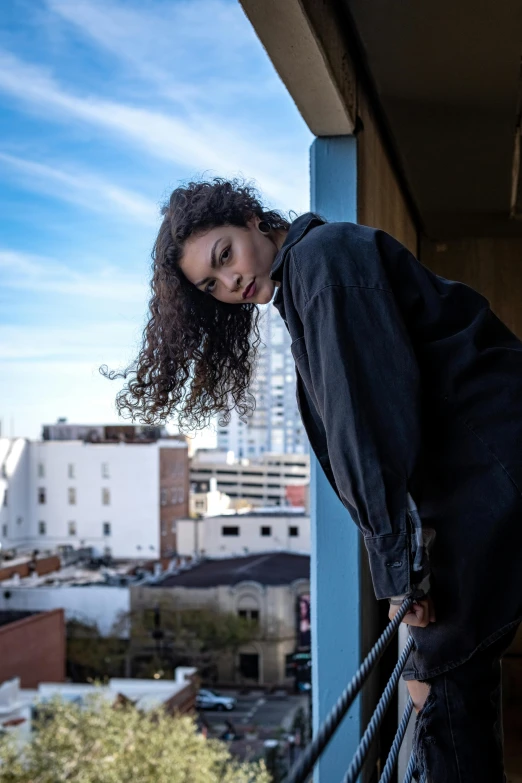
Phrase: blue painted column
x=335 y=572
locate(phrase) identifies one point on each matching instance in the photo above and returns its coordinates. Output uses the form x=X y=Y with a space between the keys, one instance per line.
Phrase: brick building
x=32 y=646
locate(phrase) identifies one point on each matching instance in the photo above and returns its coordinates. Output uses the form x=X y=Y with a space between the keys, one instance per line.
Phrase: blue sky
x=104 y=108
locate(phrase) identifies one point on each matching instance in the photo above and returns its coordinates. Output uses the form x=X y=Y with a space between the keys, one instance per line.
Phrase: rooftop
x=8 y=616
x=272 y=568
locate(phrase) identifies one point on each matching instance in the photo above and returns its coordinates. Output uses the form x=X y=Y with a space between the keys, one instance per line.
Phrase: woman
x=410 y=390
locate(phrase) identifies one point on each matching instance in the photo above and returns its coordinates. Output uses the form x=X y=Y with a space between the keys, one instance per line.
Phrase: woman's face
x=233 y=264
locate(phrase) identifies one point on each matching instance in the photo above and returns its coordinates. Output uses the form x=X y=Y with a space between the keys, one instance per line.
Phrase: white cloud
x=97 y=342
x=156 y=40
x=40 y=274
x=83 y=188
x=199 y=142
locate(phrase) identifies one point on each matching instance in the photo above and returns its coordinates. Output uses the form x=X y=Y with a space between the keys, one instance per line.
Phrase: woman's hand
x=421 y=613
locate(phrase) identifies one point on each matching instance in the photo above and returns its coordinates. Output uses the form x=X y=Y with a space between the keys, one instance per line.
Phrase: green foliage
x=92 y=656
x=198 y=637
x=201 y=628
x=104 y=744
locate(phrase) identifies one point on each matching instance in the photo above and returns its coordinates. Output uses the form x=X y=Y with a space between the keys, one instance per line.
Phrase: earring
x=264 y=227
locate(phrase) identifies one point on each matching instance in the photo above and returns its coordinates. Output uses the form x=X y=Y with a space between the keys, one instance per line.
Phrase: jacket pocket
x=298 y=348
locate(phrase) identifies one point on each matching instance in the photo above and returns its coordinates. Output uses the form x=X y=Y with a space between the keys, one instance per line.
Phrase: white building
x=264 y=482
x=275 y=425
x=206 y=500
x=121 y=498
x=244 y=534
x=102 y=605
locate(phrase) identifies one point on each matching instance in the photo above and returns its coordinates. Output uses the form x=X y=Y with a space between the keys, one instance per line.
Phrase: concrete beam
x=304 y=41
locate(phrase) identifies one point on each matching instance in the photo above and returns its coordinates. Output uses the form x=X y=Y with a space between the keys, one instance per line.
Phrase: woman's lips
x=250 y=290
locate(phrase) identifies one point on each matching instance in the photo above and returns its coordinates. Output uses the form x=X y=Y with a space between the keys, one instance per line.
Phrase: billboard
x=303 y=622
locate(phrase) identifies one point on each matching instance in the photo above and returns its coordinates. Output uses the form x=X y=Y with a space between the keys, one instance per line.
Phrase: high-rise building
x=275 y=425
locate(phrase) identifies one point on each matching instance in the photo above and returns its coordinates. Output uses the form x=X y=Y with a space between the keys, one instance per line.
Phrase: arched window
x=248 y=607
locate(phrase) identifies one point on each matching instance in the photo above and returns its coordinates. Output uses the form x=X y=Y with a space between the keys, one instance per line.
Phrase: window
x=200 y=504
x=293 y=531
x=249 y=614
x=41 y=528
x=230 y=531
x=41 y=495
x=71 y=528
x=105 y=470
x=266 y=530
x=41 y=470
x=71 y=492
x=106 y=528
x=106 y=496
x=178 y=495
x=173 y=526
x=4 y=531
x=163 y=497
x=70 y=470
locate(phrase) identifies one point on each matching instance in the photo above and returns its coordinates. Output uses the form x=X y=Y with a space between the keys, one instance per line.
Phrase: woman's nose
x=235 y=283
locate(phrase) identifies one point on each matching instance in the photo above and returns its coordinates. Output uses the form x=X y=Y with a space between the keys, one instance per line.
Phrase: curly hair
x=198 y=354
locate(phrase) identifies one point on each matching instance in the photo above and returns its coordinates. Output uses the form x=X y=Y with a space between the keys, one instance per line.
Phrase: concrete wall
x=34 y=649
x=207 y=535
x=380 y=201
x=101 y=605
x=492 y=266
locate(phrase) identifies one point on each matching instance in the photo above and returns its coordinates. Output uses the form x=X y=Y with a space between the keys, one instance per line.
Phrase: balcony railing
x=303 y=768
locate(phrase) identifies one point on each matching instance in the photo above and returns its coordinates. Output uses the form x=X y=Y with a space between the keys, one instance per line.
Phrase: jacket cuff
x=389 y=557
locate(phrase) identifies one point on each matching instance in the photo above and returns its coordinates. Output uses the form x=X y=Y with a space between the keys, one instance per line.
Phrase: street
x=256 y=710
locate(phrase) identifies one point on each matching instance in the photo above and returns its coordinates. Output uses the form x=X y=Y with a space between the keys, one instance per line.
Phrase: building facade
x=261 y=482
x=275 y=425
x=244 y=534
x=264 y=588
x=117 y=491
x=206 y=500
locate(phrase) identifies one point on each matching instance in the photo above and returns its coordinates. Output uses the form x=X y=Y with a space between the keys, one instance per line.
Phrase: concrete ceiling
x=447 y=78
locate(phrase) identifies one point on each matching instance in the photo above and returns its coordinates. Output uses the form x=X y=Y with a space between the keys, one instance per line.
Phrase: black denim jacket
x=391 y=362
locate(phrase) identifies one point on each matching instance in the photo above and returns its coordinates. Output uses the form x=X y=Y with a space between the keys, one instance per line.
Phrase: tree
x=91 y=656
x=198 y=637
x=105 y=744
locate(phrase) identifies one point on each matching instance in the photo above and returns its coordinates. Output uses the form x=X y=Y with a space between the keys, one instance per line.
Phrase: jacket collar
x=297 y=230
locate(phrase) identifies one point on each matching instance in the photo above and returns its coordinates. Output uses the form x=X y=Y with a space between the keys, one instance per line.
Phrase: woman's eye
x=225 y=255
x=210 y=287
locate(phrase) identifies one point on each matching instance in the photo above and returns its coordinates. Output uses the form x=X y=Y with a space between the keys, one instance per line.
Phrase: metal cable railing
x=377 y=717
x=305 y=764
x=393 y=755
x=410 y=770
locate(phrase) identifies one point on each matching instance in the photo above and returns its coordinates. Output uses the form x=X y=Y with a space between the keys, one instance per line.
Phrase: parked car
x=210 y=700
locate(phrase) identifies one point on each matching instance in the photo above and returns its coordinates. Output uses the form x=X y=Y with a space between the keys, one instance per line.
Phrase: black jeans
x=458 y=733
